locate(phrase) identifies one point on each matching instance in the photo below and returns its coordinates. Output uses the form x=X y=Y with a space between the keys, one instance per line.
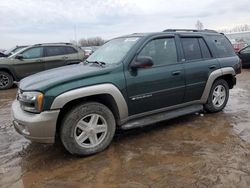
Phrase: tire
x=87 y=129
x=6 y=80
x=213 y=106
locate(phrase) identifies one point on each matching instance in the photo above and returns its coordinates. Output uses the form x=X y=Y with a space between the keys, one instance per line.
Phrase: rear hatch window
x=223 y=46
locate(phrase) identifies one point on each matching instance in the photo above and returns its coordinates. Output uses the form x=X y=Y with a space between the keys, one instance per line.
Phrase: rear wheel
x=6 y=80
x=218 y=96
x=88 y=129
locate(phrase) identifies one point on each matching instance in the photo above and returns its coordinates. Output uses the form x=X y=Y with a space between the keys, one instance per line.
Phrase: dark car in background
x=2 y=54
x=244 y=55
x=37 y=58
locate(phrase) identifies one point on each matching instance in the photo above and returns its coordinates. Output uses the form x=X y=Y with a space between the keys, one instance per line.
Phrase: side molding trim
x=110 y=89
x=212 y=77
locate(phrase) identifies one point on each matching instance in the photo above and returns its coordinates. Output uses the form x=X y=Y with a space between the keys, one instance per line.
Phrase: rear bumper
x=35 y=127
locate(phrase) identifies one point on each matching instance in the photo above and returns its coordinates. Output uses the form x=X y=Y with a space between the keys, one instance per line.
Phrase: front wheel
x=88 y=128
x=218 y=96
x=6 y=80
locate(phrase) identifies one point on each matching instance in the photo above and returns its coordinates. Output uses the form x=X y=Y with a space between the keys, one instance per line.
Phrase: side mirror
x=19 y=56
x=142 y=62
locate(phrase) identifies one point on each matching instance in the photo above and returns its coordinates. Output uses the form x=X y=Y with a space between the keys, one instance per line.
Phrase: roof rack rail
x=67 y=43
x=191 y=30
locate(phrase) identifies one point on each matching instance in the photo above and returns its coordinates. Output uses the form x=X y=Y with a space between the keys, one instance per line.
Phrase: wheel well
x=229 y=79
x=8 y=71
x=104 y=99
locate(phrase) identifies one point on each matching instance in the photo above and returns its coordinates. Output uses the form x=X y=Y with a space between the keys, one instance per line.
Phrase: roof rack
x=190 y=30
x=67 y=43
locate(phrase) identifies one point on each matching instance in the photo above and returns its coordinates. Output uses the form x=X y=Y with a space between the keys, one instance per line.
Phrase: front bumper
x=35 y=127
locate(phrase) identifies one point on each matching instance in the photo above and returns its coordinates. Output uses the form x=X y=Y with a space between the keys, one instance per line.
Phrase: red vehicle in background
x=238 y=45
x=89 y=50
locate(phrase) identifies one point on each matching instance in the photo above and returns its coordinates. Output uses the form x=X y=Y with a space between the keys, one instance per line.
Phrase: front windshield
x=18 y=52
x=14 y=50
x=18 y=49
x=113 y=51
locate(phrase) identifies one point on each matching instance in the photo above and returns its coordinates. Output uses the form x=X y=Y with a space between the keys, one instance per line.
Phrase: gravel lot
x=199 y=150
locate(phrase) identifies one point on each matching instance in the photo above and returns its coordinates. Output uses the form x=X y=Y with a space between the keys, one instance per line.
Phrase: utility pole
x=75 y=34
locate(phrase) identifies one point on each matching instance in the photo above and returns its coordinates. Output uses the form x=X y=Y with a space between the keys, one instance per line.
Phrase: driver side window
x=33 y=53
x=162 y=51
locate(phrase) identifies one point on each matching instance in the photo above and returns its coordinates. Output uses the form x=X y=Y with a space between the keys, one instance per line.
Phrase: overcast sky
x=35 y=21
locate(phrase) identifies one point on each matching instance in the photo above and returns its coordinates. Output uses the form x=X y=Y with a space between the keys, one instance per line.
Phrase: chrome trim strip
x=110 y=89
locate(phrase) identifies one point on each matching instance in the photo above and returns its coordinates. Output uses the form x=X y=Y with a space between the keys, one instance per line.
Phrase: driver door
x=29 y=62
x=160 y=86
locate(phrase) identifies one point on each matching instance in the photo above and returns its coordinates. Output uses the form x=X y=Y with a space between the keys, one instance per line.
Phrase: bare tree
x=199 y=25
x=95 y=41
x=73 y=42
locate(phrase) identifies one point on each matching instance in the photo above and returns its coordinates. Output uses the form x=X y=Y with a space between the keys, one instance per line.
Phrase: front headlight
x=31 y=101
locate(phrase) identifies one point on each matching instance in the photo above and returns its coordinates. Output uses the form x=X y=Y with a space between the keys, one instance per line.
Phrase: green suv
x=37 y=58
x=131 y=81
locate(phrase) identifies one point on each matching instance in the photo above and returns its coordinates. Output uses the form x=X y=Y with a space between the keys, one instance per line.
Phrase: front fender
x=110 y=89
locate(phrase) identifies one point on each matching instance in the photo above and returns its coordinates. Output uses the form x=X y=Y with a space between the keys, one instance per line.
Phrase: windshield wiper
x=101 y=63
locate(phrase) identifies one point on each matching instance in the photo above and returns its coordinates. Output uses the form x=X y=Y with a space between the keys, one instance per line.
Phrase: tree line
x=85 y=42
x=238 y=28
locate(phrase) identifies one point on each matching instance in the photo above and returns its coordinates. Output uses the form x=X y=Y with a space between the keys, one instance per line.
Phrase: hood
x=5 y=60
x=47 y=79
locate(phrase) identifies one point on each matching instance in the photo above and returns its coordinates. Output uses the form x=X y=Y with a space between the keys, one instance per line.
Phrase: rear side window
x=55 y=50
x=70 y=50
x=223 y=46
x=191 y=48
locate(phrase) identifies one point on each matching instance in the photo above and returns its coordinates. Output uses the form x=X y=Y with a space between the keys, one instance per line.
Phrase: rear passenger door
x=159 y=86
x=54 y=57
x=198 y=64
x=73 y=56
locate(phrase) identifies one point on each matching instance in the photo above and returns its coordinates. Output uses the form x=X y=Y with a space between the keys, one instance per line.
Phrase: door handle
x=212 y=67
x=39 y=60
x=175 y=73
x=65 y=57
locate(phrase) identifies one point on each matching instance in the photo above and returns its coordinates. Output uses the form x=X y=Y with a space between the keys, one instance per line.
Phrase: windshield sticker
x=131 y=39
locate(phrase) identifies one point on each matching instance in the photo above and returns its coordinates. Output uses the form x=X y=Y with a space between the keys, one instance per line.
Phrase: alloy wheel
x=219 y=96
x=4 y=81
x=90 y=130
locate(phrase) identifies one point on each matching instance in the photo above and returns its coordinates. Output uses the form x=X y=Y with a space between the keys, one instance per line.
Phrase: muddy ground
x=199 y=150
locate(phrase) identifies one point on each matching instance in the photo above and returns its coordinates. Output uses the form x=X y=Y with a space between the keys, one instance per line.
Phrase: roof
x=56 y=43
x=173 y=31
